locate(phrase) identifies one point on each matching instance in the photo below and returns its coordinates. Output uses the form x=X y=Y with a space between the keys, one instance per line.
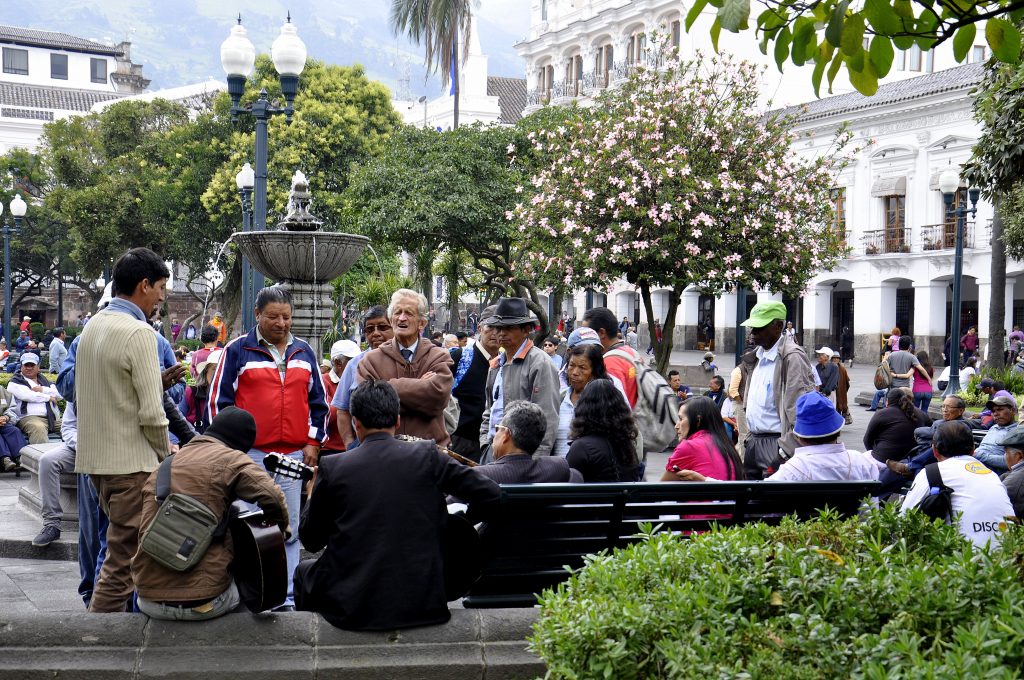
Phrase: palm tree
x=439 y=26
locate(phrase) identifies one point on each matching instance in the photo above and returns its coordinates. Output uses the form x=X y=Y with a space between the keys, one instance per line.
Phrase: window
x=895 y=218
x=929 y=61
x=676 y=34
x=901 y=60
x=949 y=228
x=98 y=69
x=914 y=58
x=543 y=10
x=839 y=208
x=58 y=66
x=978 y=54
x=16 y=61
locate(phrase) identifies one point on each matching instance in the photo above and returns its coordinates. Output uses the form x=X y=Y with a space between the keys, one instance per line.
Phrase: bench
x=541 y=529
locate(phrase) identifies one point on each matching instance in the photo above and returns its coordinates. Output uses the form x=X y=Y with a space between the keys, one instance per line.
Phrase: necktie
x=407 y=355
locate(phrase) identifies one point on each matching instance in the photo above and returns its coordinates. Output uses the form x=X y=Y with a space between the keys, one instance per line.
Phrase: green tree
x=439 y=26
x=862 y=36
x=451 y=191
x=996 y=165
x=675 y=179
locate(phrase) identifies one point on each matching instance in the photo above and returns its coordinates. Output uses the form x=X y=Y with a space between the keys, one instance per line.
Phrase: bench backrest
x=543 y=528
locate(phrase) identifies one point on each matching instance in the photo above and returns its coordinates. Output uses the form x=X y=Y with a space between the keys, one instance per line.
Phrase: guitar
x=260 y=568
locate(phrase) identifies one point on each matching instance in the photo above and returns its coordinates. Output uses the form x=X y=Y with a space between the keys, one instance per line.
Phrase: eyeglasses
x=382 y=327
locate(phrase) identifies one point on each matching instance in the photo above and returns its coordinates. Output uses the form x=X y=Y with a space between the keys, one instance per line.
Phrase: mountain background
x=178 y=41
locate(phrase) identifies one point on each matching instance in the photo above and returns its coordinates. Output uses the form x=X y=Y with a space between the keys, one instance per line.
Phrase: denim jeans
x=292 y=489
x=922 y=400
x=92 y=538
x=879 y=397
x=218 y=606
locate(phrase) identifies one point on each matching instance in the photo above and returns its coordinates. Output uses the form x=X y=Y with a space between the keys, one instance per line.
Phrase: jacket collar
x=521 y=353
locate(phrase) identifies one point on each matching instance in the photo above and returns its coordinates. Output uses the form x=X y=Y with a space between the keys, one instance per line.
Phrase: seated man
x=52 y=464
x=675 y=381
x=1004 y=421
x=1014 y=479
x=379 y=511
x=716 y=390
x=213 y=468
x=979 y=500
x=23 y=341
x=820 y=454
x=517 y=438
x=35 y=401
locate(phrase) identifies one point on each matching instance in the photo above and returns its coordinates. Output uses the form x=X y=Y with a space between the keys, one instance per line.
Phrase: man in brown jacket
x=417 y=369
x=214 y=469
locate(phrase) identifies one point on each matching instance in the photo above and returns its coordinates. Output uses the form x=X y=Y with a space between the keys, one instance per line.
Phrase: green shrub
x=5 y=378
x=880 y=597
x=36 y=331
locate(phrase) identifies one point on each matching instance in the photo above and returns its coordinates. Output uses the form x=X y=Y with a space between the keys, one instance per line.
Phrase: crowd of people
x=394 y=425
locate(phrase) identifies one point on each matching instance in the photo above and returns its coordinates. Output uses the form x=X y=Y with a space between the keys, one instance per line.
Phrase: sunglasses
x=382 y=327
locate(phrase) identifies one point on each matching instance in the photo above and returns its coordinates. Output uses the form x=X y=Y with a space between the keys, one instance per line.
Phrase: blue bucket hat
x=816 y=416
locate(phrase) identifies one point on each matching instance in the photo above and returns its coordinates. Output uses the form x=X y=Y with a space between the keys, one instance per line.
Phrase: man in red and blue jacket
x=276 y=377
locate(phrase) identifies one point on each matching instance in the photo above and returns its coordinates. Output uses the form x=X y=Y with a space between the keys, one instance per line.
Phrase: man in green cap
x=775 y=373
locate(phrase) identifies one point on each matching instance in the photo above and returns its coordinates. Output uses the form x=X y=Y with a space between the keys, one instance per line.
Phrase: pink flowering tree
x=677 y=178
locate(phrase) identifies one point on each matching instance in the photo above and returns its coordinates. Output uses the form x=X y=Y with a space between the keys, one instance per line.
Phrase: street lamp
x=244 y=181
x=18 y=208
x=949 y=183
x=238 y=57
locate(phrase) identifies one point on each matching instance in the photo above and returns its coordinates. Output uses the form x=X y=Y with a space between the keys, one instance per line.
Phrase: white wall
x=79 y=73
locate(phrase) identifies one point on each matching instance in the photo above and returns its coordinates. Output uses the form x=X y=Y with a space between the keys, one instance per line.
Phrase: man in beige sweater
x=122 y=430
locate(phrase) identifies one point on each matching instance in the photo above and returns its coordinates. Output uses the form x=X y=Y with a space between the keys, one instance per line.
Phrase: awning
x=889 y=186
x=933 y=181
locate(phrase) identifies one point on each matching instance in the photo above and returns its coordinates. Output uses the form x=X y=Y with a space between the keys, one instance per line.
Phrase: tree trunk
x=997 y=300
x=455 y=83
x=533 y=302
x=662 y=348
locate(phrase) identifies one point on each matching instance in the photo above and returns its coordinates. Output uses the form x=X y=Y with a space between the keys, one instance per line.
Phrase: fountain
x=303 y=259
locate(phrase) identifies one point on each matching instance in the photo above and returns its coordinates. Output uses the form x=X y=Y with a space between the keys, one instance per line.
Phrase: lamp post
x=18 y=208
x=244 y=181
x=238 y=57
x=949 y=183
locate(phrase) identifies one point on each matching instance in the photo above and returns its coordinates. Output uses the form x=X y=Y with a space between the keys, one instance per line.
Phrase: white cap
x=827 y=351
x=344 y=348
x=212 y=359
x=29 y=358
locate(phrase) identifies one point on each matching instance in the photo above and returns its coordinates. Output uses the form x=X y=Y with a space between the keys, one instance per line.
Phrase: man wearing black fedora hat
x=524 y=372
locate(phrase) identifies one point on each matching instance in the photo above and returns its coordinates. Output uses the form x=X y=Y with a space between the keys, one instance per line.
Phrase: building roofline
x=29 y=37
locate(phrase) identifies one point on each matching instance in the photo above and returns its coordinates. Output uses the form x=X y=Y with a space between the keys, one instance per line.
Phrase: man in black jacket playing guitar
x=379 y=511
x=214 y=469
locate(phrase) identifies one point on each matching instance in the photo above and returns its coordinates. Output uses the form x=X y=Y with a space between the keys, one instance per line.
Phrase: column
x=984 y=299
x=930 y=317
x=686 y=319
x=818 y=318
x=768 y=296
x=874 y=313
x=725 y=324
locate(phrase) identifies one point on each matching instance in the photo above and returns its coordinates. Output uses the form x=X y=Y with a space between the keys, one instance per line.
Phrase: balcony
x=887 y=241
x=943 y=236
x=538 y=98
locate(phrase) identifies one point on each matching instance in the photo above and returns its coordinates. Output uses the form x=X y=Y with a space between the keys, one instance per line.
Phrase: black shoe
x=48 y=535
x=8 y=465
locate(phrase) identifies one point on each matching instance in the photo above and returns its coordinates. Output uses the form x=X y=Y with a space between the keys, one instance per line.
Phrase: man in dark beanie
x=214 y=469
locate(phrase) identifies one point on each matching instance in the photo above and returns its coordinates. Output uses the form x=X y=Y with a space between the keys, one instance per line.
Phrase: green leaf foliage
x=733 y=15
x=793 y=30
x=884 y=596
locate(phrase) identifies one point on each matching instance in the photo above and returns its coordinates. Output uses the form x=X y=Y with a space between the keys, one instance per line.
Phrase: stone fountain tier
x=301 y=256
x=304 y=262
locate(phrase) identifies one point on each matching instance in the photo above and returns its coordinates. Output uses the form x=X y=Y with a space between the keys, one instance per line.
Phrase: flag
x=455 y=42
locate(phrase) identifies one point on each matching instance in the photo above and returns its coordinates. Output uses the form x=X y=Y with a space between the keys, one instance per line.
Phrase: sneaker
x=48 y=535
x=7 y=464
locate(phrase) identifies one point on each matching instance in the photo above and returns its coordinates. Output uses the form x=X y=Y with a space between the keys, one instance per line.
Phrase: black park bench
x=540 y=529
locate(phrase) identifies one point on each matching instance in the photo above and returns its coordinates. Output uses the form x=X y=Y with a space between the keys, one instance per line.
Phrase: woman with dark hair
x=603 y=436
x=890 y=434
x=584 y=364
x=705 y=449
x=922 y=384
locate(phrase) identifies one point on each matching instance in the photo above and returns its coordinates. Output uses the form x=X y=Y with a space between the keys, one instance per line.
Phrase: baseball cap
x=764 y=313
x=826 y=350
x=29 y=358
x=583 y=336
x=344 y=348
x=1002 y=400
x=986 y=382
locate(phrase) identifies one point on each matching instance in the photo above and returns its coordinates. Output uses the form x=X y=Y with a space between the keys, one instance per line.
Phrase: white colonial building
x=47 y=76
x=888 y=204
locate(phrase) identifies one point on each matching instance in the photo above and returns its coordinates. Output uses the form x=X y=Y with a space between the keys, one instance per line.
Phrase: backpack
x=938 y=504
x=657 y=407
x=883 y=376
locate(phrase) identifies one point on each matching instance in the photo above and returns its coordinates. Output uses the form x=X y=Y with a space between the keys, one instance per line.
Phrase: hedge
x=879 y=597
